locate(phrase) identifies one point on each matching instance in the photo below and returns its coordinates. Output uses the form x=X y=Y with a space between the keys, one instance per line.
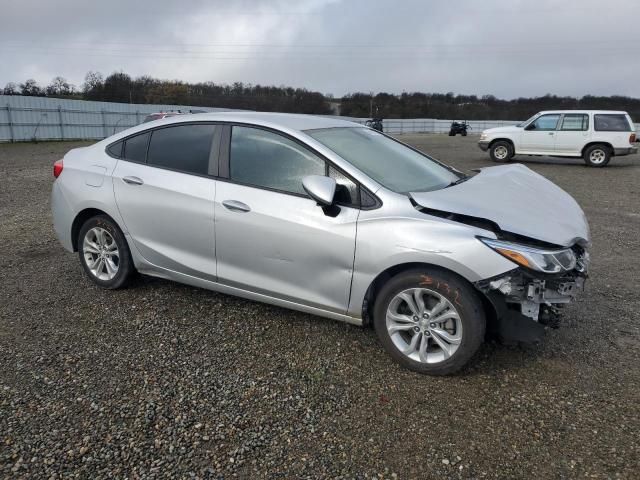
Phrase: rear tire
x=597 y=156
x=104 y=253
x=501 y=151
x=431 y=306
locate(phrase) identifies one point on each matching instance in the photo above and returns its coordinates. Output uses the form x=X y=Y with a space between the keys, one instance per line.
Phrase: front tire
x=501 y=151
x=597 y=156
x=104 y=253
x=429 y=321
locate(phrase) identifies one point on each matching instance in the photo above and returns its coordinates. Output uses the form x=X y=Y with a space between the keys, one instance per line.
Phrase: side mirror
x=321 y=189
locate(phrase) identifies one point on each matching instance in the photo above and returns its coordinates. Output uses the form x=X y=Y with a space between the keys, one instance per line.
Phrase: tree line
x=121 y=87
x=472 y=107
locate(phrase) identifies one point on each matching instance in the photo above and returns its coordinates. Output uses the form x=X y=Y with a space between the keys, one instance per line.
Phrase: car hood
x=496 y=130
x=518 y=200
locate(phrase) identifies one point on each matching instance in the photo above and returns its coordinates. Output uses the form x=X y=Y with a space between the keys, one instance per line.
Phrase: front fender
x=383 y=243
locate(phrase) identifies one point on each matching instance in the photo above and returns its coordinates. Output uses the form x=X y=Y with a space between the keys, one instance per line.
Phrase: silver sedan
x=331 y=218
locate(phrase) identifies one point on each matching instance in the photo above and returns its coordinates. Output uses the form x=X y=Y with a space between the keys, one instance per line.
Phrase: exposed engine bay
x=525 y=295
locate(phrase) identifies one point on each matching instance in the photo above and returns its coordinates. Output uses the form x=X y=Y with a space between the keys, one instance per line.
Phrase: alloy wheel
x=101 y=254
x=424 y=325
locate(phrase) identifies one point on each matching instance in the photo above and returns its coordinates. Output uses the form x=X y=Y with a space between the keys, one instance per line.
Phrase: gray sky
x=507 y=48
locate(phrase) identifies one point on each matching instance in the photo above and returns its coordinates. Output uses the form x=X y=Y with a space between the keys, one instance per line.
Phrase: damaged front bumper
x=525 y=302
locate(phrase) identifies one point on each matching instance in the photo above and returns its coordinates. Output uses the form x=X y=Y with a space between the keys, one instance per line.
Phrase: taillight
x=632 y=138
x=57 y=168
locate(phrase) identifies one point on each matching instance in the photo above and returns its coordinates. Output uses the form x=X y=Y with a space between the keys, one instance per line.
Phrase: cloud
x=506 y=48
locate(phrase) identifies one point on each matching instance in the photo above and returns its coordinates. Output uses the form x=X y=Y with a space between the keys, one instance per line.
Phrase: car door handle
x=550 y=133
x=132 y=180
x=236 y=206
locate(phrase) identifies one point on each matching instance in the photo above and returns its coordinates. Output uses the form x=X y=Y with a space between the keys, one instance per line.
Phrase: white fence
x=38 y=118
x=430 y=125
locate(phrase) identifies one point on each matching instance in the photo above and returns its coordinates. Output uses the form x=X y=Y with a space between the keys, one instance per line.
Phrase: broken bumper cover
x=526 y=303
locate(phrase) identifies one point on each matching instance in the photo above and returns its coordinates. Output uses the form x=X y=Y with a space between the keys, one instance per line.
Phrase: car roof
x=286 y=122
x=293 y=121
x=619 y=112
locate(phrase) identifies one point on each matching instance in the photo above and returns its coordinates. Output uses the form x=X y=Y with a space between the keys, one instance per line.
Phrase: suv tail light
x=57 y=168
x=632 y=138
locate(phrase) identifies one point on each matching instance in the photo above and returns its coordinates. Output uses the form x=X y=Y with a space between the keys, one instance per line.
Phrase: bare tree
x=30 y=87
x=93 y=85
x=10 y=89
x=60 y=86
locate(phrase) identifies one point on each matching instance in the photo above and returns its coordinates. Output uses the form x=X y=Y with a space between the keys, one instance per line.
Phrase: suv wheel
x=104 y=253
x=501 y=151
x=430 y=322
x=597 y=155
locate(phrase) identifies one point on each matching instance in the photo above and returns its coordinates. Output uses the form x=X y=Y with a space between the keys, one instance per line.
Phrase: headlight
x=483 y=136
x=542 y=260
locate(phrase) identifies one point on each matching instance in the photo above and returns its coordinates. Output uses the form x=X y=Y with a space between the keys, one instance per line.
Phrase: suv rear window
x=611 y=122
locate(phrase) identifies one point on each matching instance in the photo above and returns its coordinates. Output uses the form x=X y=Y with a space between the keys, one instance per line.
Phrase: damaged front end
x=537 y=226
x=526 y=300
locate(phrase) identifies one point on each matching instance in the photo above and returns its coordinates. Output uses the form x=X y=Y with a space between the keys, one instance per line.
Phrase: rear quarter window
x=135 y=148
x=609 y=122
x=115 y=150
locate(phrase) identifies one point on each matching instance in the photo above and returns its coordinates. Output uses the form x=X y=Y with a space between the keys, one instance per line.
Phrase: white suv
x=595 y=135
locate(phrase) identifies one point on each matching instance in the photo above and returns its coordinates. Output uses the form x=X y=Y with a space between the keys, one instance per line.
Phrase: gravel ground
x=162 y=380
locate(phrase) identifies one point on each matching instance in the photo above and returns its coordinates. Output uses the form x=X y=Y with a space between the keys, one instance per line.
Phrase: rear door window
x=185 y=148
x=575 y=122
x=135 y=148
x=610 y=122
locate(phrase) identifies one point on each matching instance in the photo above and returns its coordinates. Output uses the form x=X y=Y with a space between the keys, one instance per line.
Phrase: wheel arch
x=79 y=220
x=376 y=285
x=596 y=142
x=502 y=139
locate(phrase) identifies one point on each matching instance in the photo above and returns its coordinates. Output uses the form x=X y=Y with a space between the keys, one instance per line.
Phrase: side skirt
x=155 y=271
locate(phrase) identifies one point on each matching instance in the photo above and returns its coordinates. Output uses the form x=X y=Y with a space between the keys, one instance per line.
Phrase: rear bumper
x=484 y=145
x=625 y=151
x=62 y=216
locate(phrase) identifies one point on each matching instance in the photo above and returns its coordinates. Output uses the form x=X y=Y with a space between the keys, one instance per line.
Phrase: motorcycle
x=375 y=123
x=459 y=127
